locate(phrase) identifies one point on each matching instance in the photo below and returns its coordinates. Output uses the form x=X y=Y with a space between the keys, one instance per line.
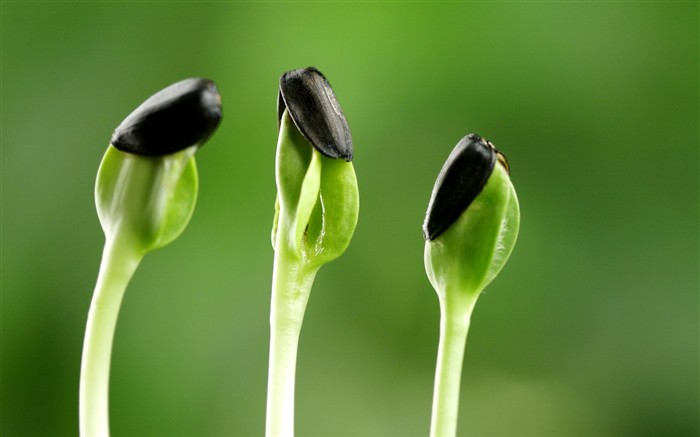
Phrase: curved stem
x=291 y=284
x=455 y=313
x=118 y=265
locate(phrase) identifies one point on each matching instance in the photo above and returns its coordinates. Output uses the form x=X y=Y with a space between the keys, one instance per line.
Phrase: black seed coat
x=179 y=116
x=312 y=105
x=461 y=179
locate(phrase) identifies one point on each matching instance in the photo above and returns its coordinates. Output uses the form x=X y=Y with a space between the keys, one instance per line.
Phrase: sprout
x=315 y=217
x=145 y=194
x=470 y=229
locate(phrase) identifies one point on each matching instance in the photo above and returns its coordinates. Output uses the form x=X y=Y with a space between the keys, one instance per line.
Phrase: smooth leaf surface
x=334 y=219
x=148 y=200
x=469 y=254
x=317 y=202
x=298 y=173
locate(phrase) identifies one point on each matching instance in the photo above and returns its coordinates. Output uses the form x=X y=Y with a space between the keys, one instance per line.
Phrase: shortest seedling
x=470 y=230
x=145 y=194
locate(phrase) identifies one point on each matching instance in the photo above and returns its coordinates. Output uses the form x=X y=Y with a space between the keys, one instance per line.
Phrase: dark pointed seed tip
x=313 y=107
x=182 y=115
x=459 y=182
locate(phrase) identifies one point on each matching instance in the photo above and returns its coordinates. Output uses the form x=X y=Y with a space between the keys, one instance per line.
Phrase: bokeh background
x=590 y=330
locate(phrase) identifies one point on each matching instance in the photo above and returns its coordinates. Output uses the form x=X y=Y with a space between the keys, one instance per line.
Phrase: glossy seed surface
x=179 y=116
x=461 y=179
x=308 y=97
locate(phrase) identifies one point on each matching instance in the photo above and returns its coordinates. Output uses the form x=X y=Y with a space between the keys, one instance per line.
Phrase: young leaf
x=334 y=219
x=148 y=200
x=470 y=252
x=298 y=182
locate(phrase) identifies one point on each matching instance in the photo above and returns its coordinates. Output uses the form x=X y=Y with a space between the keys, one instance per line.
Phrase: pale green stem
x=118 y=265
x=455 y=314
x=291 y=285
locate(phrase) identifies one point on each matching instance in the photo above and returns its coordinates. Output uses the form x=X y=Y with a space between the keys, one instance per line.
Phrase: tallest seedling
x=315 y=217
x=470 y=230
x=145 y=193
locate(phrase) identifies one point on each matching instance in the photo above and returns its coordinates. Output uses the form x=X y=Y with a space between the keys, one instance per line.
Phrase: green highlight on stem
x=316 y=213
x=145 y=194
x=470 y=229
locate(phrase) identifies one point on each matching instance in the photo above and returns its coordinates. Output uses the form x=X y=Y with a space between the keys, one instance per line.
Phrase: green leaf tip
x=180 y=116
x=313 y=107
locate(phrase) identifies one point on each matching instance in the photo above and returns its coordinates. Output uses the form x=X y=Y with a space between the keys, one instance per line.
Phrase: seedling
x=315 y=216
x=145 y=194
x=470 y=230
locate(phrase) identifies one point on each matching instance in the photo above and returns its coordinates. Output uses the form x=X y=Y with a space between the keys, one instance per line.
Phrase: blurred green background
x=590 y=330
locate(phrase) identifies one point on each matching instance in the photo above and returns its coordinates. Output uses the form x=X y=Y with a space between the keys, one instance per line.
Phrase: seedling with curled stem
x=315 y=217
x=145 y=194
x=470 y=230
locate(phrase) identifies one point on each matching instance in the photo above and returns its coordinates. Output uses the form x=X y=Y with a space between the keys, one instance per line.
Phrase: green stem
x=455 y=313
x=291 y=285
x=118 y=265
